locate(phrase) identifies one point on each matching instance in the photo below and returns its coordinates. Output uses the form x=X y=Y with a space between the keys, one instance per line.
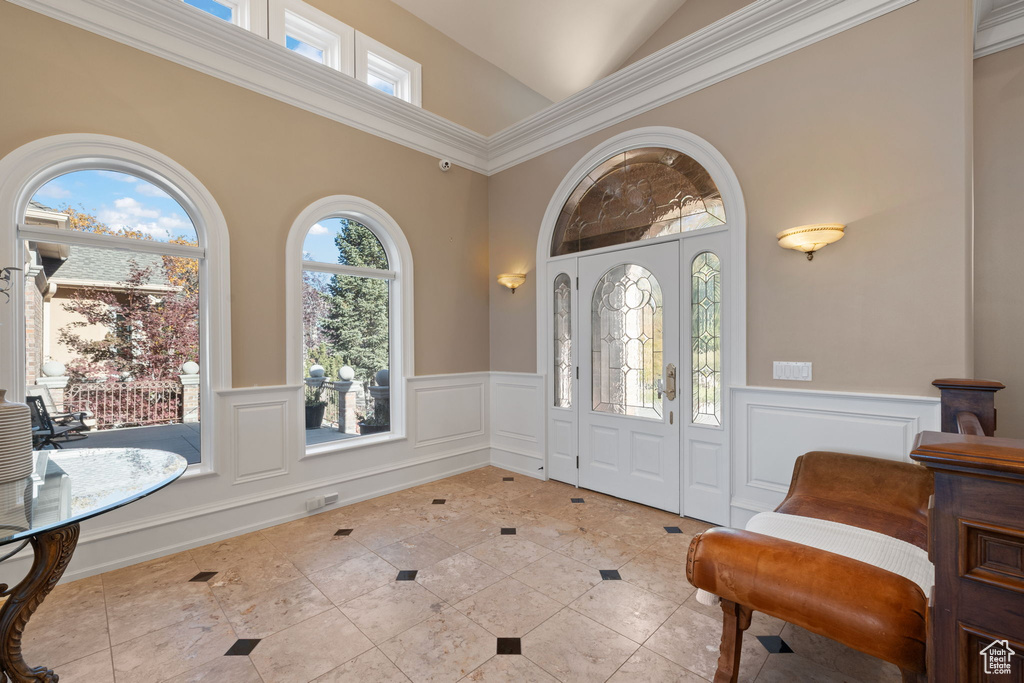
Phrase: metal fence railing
x=127 y=404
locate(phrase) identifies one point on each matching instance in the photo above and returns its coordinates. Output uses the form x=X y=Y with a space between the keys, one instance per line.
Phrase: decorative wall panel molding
x=772 y=427
x=517 y=422
x=448 y=408
x=754 y=35
x=258 y=434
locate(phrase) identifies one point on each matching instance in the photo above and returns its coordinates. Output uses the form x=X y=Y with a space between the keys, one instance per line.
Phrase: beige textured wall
x=692 y=16
x=999 y=230
x=869 y=128
x=263 y=161
x=457 y=84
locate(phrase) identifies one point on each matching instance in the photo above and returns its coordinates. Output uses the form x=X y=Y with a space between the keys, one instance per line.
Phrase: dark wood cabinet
x=977 y=545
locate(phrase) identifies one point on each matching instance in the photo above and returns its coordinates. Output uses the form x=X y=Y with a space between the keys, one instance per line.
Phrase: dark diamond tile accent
x=510 y=646
x=673 y=530
x=508 y=478
x=407 y=575
x=508 y=531
x=242 y=647
x=439 y=501
x=342 y=532
x=610 y=575
x=775 y=645
x=203 y=576
x=576 y=500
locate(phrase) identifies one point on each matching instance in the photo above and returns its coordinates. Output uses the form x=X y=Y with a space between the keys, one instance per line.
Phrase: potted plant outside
x=315 y=406
x=378 y=420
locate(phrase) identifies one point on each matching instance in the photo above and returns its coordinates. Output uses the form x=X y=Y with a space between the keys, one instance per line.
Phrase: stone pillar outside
x=56 y=385
x=189 y=392
x=349 y=394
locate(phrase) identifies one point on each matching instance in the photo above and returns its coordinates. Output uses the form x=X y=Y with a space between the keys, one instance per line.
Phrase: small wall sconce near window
x=811 y=238
x=512 y=280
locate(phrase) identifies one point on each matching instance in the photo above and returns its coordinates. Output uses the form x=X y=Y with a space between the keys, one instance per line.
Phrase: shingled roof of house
x=95 y=265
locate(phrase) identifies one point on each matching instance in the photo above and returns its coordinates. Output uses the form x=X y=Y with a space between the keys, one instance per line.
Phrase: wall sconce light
x=512 y=280
x=811 y=238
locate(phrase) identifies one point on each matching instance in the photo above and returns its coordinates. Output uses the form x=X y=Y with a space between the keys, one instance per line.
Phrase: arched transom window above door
x=636 y=195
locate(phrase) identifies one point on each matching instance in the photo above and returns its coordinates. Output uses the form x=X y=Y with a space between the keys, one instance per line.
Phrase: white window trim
x=399 y=256
x=375 y=57
x=248 y=14
x=29 y=167
x=317 y=28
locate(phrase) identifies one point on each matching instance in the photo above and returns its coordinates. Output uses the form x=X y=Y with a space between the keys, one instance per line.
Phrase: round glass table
x=66 y=487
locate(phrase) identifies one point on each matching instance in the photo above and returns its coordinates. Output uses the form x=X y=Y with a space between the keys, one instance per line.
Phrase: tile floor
x=484 y=576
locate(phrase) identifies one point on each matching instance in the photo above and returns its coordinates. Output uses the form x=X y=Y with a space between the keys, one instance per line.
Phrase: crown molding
x=756 y=34
x=998 y=26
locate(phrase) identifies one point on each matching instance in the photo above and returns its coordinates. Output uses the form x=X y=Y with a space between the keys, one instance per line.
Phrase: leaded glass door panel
x=629 y=335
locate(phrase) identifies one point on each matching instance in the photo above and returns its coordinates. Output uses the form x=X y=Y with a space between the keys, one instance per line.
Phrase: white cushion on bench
x=870 y=547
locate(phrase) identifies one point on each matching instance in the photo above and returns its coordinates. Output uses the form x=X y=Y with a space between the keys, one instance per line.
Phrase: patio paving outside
x=182 y=439
x=325 y=435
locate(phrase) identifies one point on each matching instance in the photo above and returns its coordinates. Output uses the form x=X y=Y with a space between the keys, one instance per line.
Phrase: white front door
x=628 y=343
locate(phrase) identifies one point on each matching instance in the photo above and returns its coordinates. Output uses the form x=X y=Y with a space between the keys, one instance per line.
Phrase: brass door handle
x=670 y=382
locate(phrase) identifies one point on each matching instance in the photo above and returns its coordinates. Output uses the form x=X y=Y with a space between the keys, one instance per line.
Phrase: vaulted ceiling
x=556 y=47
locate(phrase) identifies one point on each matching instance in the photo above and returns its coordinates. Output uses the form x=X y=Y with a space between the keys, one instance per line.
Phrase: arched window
x=113 y=343
x=352 y=296
x=636 y=195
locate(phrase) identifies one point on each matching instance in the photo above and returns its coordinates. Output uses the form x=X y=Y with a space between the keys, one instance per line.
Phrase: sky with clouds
x=121 y=201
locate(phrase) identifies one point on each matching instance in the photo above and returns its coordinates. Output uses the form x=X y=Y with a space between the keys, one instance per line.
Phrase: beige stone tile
x=601 y=551
x=161 y=572
x=221 y=670
x=96 y=668
x=69 y=625
x=792 y=667
x=304 y=651
x=351 y=579
x=445 y=647
x=384 y=531
x=508 y=553
x=589 y=514
x=673 y=546
x=370 y=667
x=692 y=640
x=312 y=548
x=838 y=657
x=576 y=649
x=761 y=624
x=658 y=574
x=466 y=532
x=391 y=609
x=622 y=607
x=244 y=566
x=636 y=529
x=508 y=609
x=548 y=497
x=266 y=613
x=173 y=650
x=417 y=552
x=646 y=666
x=561 y=578
x=457 y=577
x=550 y=532
x=510 y=514
x=143 y=609
x=519 y=486
x=509 y=669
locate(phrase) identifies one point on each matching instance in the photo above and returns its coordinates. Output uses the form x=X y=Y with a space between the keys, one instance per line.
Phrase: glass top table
x=66 y=487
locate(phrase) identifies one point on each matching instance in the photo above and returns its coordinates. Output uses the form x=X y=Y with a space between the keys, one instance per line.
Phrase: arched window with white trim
x=350 y=343
x=112 y=341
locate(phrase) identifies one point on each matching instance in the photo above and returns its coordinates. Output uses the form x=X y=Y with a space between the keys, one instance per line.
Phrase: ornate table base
x=53 y=550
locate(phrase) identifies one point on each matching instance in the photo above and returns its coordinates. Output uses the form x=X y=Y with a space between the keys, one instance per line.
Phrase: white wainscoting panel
x=517 y=422
x=259 y=432
x=448 y=408
x=772 y=427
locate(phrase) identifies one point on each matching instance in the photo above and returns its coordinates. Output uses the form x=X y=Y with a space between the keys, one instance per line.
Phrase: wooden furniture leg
x=735 y=620
x=53 y=551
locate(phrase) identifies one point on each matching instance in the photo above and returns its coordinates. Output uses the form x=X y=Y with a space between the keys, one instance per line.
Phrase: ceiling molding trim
x=754 y=35
x=998 y=29
x=174 y=31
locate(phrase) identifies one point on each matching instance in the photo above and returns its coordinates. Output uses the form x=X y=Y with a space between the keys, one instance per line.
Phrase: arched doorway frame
x=734 y=321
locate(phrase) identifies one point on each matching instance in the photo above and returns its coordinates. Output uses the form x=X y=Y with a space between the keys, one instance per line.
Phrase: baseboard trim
x=527 y=464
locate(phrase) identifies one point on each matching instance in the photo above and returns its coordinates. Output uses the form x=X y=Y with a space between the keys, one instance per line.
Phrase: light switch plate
x=799 y=372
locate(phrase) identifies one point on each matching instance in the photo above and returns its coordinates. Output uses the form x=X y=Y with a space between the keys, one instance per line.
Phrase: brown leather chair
x=857 y=604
